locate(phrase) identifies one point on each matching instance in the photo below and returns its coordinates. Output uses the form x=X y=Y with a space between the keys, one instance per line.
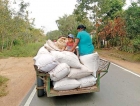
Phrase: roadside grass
x=3 y=86
x=131 y=57
x=27 y=50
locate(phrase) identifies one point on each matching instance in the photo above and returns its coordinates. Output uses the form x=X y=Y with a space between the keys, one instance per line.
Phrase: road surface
x=117 y=88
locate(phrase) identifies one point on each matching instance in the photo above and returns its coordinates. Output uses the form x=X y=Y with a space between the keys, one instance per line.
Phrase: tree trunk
x=11 y=44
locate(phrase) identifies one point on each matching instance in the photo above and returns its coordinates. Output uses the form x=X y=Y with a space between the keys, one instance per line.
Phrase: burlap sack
x=52 y=45
x=61 y=42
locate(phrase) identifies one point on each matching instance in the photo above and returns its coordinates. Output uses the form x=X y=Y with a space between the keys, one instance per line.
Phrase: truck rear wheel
x=40 y=83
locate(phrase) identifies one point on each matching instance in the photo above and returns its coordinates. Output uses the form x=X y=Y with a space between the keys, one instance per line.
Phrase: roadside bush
x=27 y=50
x=3 y=85
x=131 y=46
x=17 y=42
x=127 y=48
x=136 y=44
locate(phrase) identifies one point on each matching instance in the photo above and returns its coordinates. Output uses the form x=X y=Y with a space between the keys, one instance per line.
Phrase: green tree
x=100 y=12
x=5 y=19
x=16 y=28
x=53 y=35
x=133 y=21
x=67 y=24
x=132 y=26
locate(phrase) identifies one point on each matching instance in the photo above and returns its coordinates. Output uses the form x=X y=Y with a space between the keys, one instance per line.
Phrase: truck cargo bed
x=46 y=83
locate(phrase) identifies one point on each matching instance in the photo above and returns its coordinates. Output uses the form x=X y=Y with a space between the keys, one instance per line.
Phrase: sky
x=46 y=12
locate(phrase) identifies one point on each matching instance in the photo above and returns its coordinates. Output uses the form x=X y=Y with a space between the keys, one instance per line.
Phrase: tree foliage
x=114 y=32
x=132 y=26
x=53 y=35
x=111 y=23
x=67 y=24
x=132 y=16
x=16 y=28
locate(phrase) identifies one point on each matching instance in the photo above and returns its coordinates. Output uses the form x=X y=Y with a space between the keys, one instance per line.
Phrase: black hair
x=81 y=27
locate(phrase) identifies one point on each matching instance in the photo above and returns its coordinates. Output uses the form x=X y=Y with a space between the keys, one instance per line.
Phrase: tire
x=40 y=83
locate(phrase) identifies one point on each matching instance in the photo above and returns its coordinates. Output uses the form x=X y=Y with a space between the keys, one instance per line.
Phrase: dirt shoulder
x=21 y=74
x=132 y=66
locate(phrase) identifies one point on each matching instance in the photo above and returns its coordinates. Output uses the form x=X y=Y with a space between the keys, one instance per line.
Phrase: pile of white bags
x=65 y=68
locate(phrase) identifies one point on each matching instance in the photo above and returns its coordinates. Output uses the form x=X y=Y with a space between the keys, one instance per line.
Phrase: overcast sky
x=46 y=12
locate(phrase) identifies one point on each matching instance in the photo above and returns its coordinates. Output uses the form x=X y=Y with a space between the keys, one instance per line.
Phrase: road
x=118 y=88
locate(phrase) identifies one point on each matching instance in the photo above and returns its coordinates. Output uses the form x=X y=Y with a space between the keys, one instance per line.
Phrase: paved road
x=118 y=88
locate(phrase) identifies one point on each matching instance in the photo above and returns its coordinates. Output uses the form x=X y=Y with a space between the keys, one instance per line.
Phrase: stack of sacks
x=78 y=72
x=75 y=80
x=83 y=76
x=64 y=68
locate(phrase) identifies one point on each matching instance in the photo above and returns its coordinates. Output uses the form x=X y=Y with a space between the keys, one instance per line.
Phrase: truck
x=44 y=84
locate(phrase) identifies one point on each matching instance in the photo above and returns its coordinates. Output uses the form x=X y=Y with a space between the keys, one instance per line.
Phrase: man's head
x=70 y=38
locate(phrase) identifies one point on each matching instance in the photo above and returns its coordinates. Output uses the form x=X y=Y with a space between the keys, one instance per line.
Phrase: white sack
x=46 y=62
x=66 y=84
x=42 y=50
x=67 y=57
x=52 y=45
x=48 y=47
x=57 y=55
x=87 y=81
x=79 y=73
x=59 y=72
x=91 y=61
x=36 y=57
